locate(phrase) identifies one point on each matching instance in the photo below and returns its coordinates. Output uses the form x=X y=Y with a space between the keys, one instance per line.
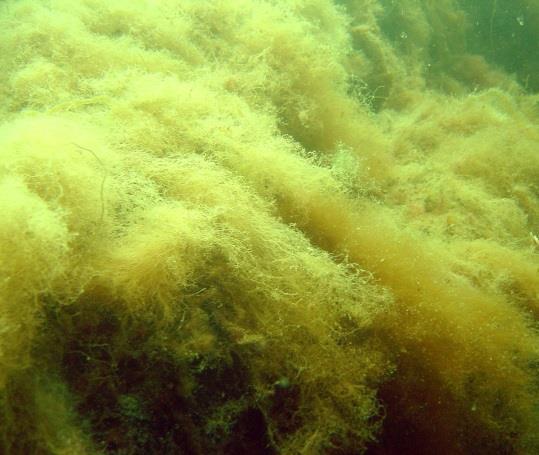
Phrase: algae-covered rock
x=268 y=226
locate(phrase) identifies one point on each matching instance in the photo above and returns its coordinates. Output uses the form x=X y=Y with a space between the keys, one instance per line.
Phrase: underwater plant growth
x=269 y=226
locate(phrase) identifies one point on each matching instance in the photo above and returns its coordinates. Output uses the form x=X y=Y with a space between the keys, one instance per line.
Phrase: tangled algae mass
x=269 y=227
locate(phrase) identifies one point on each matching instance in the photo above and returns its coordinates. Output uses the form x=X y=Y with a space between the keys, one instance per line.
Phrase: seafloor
x=269 y=227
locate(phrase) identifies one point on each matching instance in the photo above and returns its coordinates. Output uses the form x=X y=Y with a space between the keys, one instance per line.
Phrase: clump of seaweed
x=263 y=227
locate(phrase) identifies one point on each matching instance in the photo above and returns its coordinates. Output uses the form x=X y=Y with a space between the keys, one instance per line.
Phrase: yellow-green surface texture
x=269 y=227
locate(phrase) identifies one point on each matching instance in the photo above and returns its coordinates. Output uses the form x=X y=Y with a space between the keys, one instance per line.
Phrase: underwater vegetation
x=269 y=227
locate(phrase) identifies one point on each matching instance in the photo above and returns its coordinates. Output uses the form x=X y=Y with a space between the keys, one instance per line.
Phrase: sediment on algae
x=267 y=227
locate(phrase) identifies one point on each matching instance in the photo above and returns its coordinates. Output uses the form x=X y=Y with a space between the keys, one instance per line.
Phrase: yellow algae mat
x=269 y=227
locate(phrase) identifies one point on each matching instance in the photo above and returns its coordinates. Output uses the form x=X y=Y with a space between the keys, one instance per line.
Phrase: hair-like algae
x=269 y=226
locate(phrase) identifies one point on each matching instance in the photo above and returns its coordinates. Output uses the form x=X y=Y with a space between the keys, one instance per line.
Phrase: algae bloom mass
x=269 y=227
